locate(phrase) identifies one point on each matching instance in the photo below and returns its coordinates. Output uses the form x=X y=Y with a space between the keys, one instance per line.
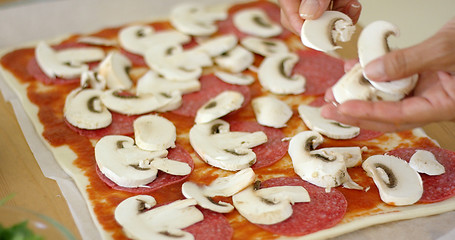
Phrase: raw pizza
x=206 y=125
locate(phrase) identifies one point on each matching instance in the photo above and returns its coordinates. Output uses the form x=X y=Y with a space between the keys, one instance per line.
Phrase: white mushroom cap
x=372 y=44
x=274 y=74
x=124 y=163
x=322 y=33
x=91 y=79
x=230 y=185
x=152 y=82
x=264 y=47
x=215 y=46
x=192 y=190
x=219 y=147
x=269 y=205
x=330 y=128
x=114 y=69
x=235 y=78
x=139 y=222
x=271 y=112
x=138 y=38
x=352 y=155
x=218 y=106
x=397 y=182
x=317 y=167
x=424 y=161
x=235 y=60
x=84 y=109
x=79 y=56
x=153 y=132
x=256 y=22
x=195 y=19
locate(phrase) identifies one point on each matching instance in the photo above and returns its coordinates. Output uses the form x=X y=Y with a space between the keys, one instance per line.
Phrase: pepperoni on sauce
x=214 y=226
x=271 y=151
x=324 y=210
x=210 y=87
x=272 y=10
x=320 y=70
x=121 y=125
x=162 y=180
x=435 y=188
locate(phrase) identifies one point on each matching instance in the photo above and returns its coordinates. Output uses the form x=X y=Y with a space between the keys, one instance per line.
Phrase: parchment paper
x=28 y=21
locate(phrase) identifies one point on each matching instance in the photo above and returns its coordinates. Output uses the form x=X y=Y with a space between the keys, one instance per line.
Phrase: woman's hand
x=432 y=100
x=294 y=12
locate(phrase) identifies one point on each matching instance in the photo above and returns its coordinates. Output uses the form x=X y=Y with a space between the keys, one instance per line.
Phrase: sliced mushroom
x=63 y=66
x=114 y=68
x=372 y=44
x=353 y=86
x=219 y=147
x=275 y=74
x=235 y=60
x=271 y=112
x=424 y=161
x=98 y=41
x=141 y=221
x=131 y=104
x=256 y=22
x=230 y=185
x=195 y=19
x=352 y=155
x=91 y=79
x=321 y=168
x=152 y=82
x=323 y=33
x=172 y=100
x=153 y=133
x=397 y=182
x=170 y=166
x=194 y=191
x=269 y=205
x=84 y=109
x=327 y=127
x=219 y=106
x=235 y=78
x=215 y=46
x=264 y=47
x=138 y=38
x=124 y=163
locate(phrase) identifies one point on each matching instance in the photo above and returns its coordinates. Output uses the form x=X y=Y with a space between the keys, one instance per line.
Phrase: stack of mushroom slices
x=372 y=43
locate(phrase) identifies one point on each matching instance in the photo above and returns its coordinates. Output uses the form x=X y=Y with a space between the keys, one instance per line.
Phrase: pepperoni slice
x=325 y=210
x=121 y=125
x=271 y=151
x=320 y=70
x=435 y=188
x=214 y=226
x=136 y=59
x=272 y=10
x=162 y=180
x=210 y=87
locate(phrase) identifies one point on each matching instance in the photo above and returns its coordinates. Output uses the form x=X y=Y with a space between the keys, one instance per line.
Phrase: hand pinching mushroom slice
x=124 y=163
x=397 y=182
x=275 y=74
x=424 y=161
x=330 y=128
x=373 y=44
x=195 y=19
x=84 y=109
x=321 y=168
x=153 y=132
x=271 y=111
x=63 y=66
x=138 y=38
x=235 y=60
x=152 y=82
x=323 y=33
x=235 y=78
x=127 y=103
x=269 y=205
x=353 y=86
x=114 y=68
x=264 y=47
x=256 y=22
x=219 y=106
x=221 y=148
x=140 y=221
x=225 y=186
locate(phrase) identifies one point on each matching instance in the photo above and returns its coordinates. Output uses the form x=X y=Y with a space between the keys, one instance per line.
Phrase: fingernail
x=354 y=8
x=375 y=70
x=308 y=8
